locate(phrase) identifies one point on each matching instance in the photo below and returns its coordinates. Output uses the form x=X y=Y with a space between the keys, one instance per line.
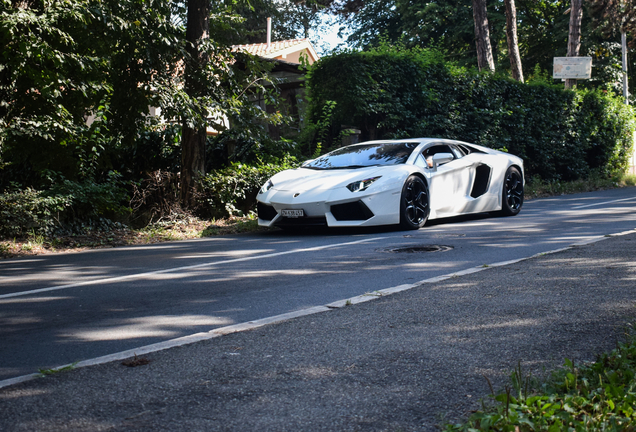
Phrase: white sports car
x=402 y=182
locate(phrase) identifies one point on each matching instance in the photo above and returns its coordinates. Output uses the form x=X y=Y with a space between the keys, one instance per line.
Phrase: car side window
x=458 y=151
x=438 y=148
x=420 y=161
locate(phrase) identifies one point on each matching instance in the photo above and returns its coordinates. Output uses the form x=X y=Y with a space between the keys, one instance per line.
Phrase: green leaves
x=393 y=92
x=597 y=396
x=231 y=191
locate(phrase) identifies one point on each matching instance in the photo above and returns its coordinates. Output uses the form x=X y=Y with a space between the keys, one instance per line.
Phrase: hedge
x=398 y=93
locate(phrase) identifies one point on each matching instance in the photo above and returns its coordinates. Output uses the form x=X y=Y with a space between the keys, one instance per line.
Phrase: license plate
x=292 y=213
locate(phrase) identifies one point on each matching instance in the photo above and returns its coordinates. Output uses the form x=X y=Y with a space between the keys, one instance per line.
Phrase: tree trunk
x=482 y=36
x=513 y=44
x=193 y=139
x=574 y=36
x=192 y=163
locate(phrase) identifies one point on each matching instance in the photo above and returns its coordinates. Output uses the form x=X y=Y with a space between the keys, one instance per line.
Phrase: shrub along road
x=405 y=361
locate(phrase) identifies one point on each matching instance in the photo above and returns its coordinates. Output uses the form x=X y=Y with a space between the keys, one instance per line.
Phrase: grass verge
x=178 y=228
x=599 y=396
x=537 y=188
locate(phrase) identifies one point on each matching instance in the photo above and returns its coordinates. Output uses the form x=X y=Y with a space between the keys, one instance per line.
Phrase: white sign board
x=572 y=68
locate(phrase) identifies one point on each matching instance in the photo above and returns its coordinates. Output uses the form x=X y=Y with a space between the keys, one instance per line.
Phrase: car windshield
x=364 y=155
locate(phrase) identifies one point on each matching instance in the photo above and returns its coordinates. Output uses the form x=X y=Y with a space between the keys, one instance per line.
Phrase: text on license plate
x=292 y=213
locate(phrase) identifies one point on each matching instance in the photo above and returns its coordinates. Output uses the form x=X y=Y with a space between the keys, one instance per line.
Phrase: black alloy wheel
x=414 y=208
x=512 y=192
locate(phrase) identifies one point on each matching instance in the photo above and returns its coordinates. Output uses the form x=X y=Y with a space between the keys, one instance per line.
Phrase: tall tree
x=574 y=36
x=617 y=16
x=482 y=36
x=513 y=44
x=194 y=128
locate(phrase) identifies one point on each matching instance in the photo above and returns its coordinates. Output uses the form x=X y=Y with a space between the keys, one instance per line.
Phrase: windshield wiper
x=339 y=167
x=355 y=166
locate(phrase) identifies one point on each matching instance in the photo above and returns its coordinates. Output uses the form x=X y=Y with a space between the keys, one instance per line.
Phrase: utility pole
x=625 y=89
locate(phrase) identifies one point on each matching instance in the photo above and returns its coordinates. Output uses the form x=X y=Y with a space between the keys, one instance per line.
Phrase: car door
x=449 y=183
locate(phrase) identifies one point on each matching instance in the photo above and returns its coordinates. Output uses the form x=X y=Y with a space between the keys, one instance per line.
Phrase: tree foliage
x=542 y=32
x=78 y=80
x=64 y=62
x=615 y=16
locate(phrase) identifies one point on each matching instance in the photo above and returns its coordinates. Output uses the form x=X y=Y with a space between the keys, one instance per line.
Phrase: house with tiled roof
x=289 y=51
x=288 y=56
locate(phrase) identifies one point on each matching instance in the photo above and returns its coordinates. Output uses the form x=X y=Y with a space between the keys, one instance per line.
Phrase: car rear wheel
x=414 y=202
x=512 y=198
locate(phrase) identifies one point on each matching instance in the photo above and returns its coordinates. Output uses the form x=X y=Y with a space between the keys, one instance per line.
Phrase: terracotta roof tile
x=260 y=49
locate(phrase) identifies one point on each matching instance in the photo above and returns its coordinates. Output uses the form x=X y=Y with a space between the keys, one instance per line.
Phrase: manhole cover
x=421 y=248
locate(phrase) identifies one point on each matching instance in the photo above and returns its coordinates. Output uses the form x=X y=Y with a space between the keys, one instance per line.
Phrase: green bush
x=92 y=202
x=29 y=211
x=393 y=92
x=67 y=207
x=232 y=190
x=598 y=396
x=158 y=147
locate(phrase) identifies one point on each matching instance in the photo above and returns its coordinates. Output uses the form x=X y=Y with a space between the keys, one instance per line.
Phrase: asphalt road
x=61 y=308
x=401 y=361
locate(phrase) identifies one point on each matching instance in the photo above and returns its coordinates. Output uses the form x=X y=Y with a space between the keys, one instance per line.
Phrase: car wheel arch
x=420 y=175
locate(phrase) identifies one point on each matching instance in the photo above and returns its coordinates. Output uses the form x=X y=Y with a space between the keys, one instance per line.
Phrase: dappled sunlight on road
x=236 y=276
x=144 y=248
x=67 y=272
x=26 y=300
x=495 y=325
x=143 y=327
x=21 y=261
x=20 y=393
x=429 y=265
x=228 y=254
x=280 y=272
x=279 y=242
x=503 y=245
x=8 y=319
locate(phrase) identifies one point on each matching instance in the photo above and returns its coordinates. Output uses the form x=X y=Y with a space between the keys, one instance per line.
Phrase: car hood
x=303 y=179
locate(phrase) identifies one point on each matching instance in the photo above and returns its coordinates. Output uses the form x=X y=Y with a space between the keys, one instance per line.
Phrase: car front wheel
x=512 y=198
x=414 y=202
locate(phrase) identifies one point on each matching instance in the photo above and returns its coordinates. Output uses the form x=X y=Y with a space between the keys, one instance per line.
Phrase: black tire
x=512 y=194
x=414 y=203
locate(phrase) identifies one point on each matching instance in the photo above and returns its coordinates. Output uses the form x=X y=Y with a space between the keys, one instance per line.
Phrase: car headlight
x=267 y=186
x=361 y=185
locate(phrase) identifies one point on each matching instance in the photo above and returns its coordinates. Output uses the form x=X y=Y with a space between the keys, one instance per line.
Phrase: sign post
x=572 y=68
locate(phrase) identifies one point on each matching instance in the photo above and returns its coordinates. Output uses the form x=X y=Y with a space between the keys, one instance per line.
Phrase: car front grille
x=265 y=212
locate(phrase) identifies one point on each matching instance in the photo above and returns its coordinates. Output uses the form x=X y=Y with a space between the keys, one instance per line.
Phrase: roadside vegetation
x=597 y=396
x=537 y=188
x=178 y=226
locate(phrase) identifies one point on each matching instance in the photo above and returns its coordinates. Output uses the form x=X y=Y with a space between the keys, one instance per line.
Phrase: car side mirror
x=438 y=159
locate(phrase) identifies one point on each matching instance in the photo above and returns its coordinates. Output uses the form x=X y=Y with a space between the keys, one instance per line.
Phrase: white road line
x=177 y=269
x=602 y=203
x=185 y=340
